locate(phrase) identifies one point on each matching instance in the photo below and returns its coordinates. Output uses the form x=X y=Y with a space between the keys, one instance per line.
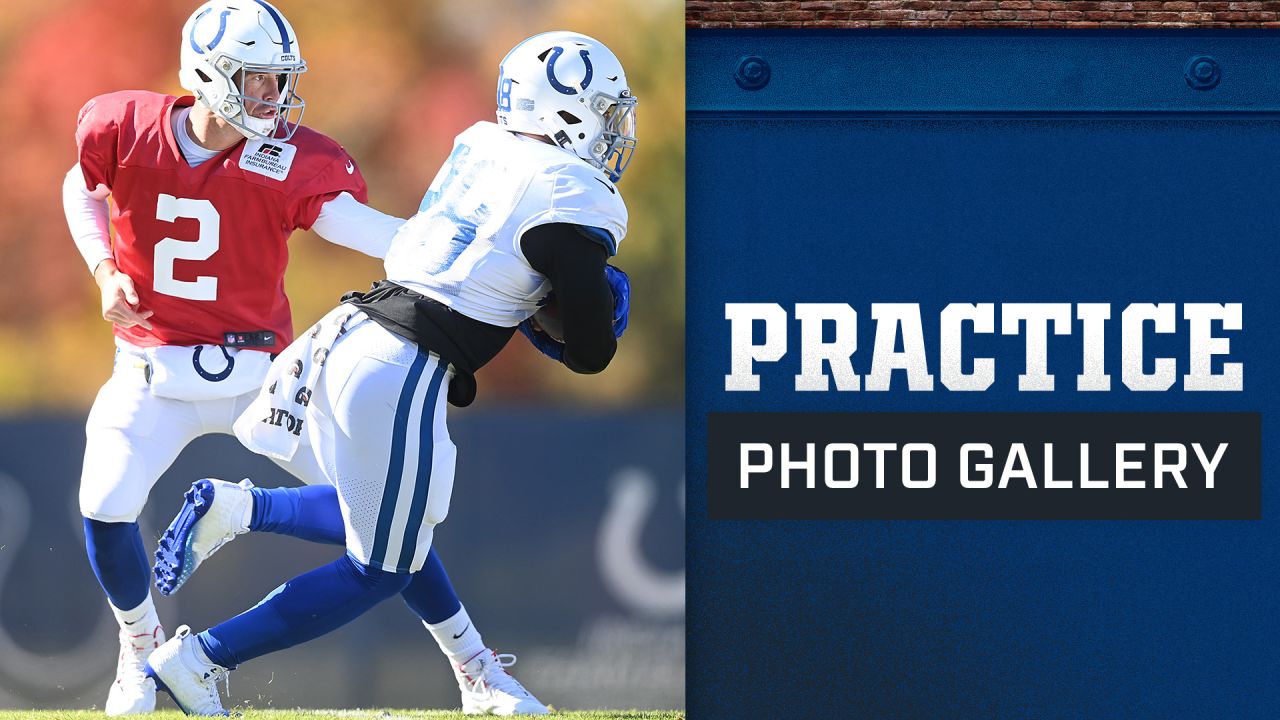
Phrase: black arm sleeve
x=574 y=263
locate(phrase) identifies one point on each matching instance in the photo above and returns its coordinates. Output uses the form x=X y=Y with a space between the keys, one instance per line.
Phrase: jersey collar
x=171 y=142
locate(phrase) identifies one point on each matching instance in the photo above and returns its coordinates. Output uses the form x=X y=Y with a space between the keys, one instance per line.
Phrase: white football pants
x=376 y=428
x=134 y=436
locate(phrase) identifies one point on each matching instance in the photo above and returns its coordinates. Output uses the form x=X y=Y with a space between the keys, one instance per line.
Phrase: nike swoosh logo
x=351 y=168
x=607 y=185
x=455 y=637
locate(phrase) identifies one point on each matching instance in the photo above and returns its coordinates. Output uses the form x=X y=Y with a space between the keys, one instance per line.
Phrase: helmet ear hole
x=568 y=117
x=203 y=76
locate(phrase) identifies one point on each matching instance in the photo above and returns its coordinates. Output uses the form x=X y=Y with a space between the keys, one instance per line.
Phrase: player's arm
x=87 y=218
x=346 y=221
x=574 y=262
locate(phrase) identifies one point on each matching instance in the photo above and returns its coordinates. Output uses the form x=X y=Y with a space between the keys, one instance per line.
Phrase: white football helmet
x=571 y=89
x=222 y=42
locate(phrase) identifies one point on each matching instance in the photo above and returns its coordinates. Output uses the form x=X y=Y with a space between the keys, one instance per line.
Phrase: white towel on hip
x=272 y=424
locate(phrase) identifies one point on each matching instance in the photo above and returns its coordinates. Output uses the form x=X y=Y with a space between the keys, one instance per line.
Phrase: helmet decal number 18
x=504 y=94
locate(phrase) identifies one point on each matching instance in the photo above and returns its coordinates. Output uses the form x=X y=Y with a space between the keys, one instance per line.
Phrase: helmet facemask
x=234 y=107
x=613 y=149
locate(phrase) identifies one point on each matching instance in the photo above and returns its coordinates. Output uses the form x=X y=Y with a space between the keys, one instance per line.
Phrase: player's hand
x=119 y=297
x=544 y=342
x=620 y=284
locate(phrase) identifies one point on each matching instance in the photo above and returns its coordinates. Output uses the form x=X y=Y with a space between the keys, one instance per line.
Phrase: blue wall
x=565 y=539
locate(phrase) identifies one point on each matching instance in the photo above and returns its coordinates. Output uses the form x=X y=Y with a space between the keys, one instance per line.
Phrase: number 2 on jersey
x=168 y=209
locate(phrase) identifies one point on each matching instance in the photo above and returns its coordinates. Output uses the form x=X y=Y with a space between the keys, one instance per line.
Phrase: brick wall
x=977 y=13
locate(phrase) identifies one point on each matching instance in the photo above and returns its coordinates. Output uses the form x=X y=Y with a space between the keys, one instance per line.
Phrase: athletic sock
x=457 y=637
x=431 y=597
x=119 y=561
x=302 y=609
x=143 y=616
x=310 y=513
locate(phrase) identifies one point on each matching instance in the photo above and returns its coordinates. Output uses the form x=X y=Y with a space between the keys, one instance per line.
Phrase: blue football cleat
x=213 y=513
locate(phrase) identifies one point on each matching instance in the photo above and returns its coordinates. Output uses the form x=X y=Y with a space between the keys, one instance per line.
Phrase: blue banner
x=958 y=224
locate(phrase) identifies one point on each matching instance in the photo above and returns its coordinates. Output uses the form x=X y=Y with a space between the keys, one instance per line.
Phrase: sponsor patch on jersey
x=271 y=158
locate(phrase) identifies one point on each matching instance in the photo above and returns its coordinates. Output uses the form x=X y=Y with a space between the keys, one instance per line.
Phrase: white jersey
x=462 y=249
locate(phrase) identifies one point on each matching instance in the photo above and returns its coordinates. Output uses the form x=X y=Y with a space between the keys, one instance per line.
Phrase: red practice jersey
x=206 y=246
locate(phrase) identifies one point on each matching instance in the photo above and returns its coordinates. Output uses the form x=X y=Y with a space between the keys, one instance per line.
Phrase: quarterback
x=521 y=209
x=206 y=191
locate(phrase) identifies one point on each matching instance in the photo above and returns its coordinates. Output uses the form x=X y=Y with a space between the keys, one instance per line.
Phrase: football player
x=520 y=209
x=206 y=191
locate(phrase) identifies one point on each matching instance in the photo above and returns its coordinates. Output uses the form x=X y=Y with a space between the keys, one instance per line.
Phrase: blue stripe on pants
x=426 y=443
x=395 y=466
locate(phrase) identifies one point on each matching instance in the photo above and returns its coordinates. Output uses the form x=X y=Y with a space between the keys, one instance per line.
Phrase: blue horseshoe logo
x=556 y=52
x=213 y=377
x=222 y=28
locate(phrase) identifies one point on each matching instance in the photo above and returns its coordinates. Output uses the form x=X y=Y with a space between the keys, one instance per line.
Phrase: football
x=548 y=320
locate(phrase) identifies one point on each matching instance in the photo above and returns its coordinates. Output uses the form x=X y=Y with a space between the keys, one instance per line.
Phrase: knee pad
x=110 y=505
x=444 y=460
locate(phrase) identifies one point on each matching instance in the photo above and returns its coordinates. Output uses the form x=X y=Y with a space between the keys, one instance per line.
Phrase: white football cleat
x=133 y=692
x=180 y=668
x=487 y=689
x=213 y=513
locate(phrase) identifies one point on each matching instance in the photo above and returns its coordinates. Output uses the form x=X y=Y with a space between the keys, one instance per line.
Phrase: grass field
x=248 y=714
